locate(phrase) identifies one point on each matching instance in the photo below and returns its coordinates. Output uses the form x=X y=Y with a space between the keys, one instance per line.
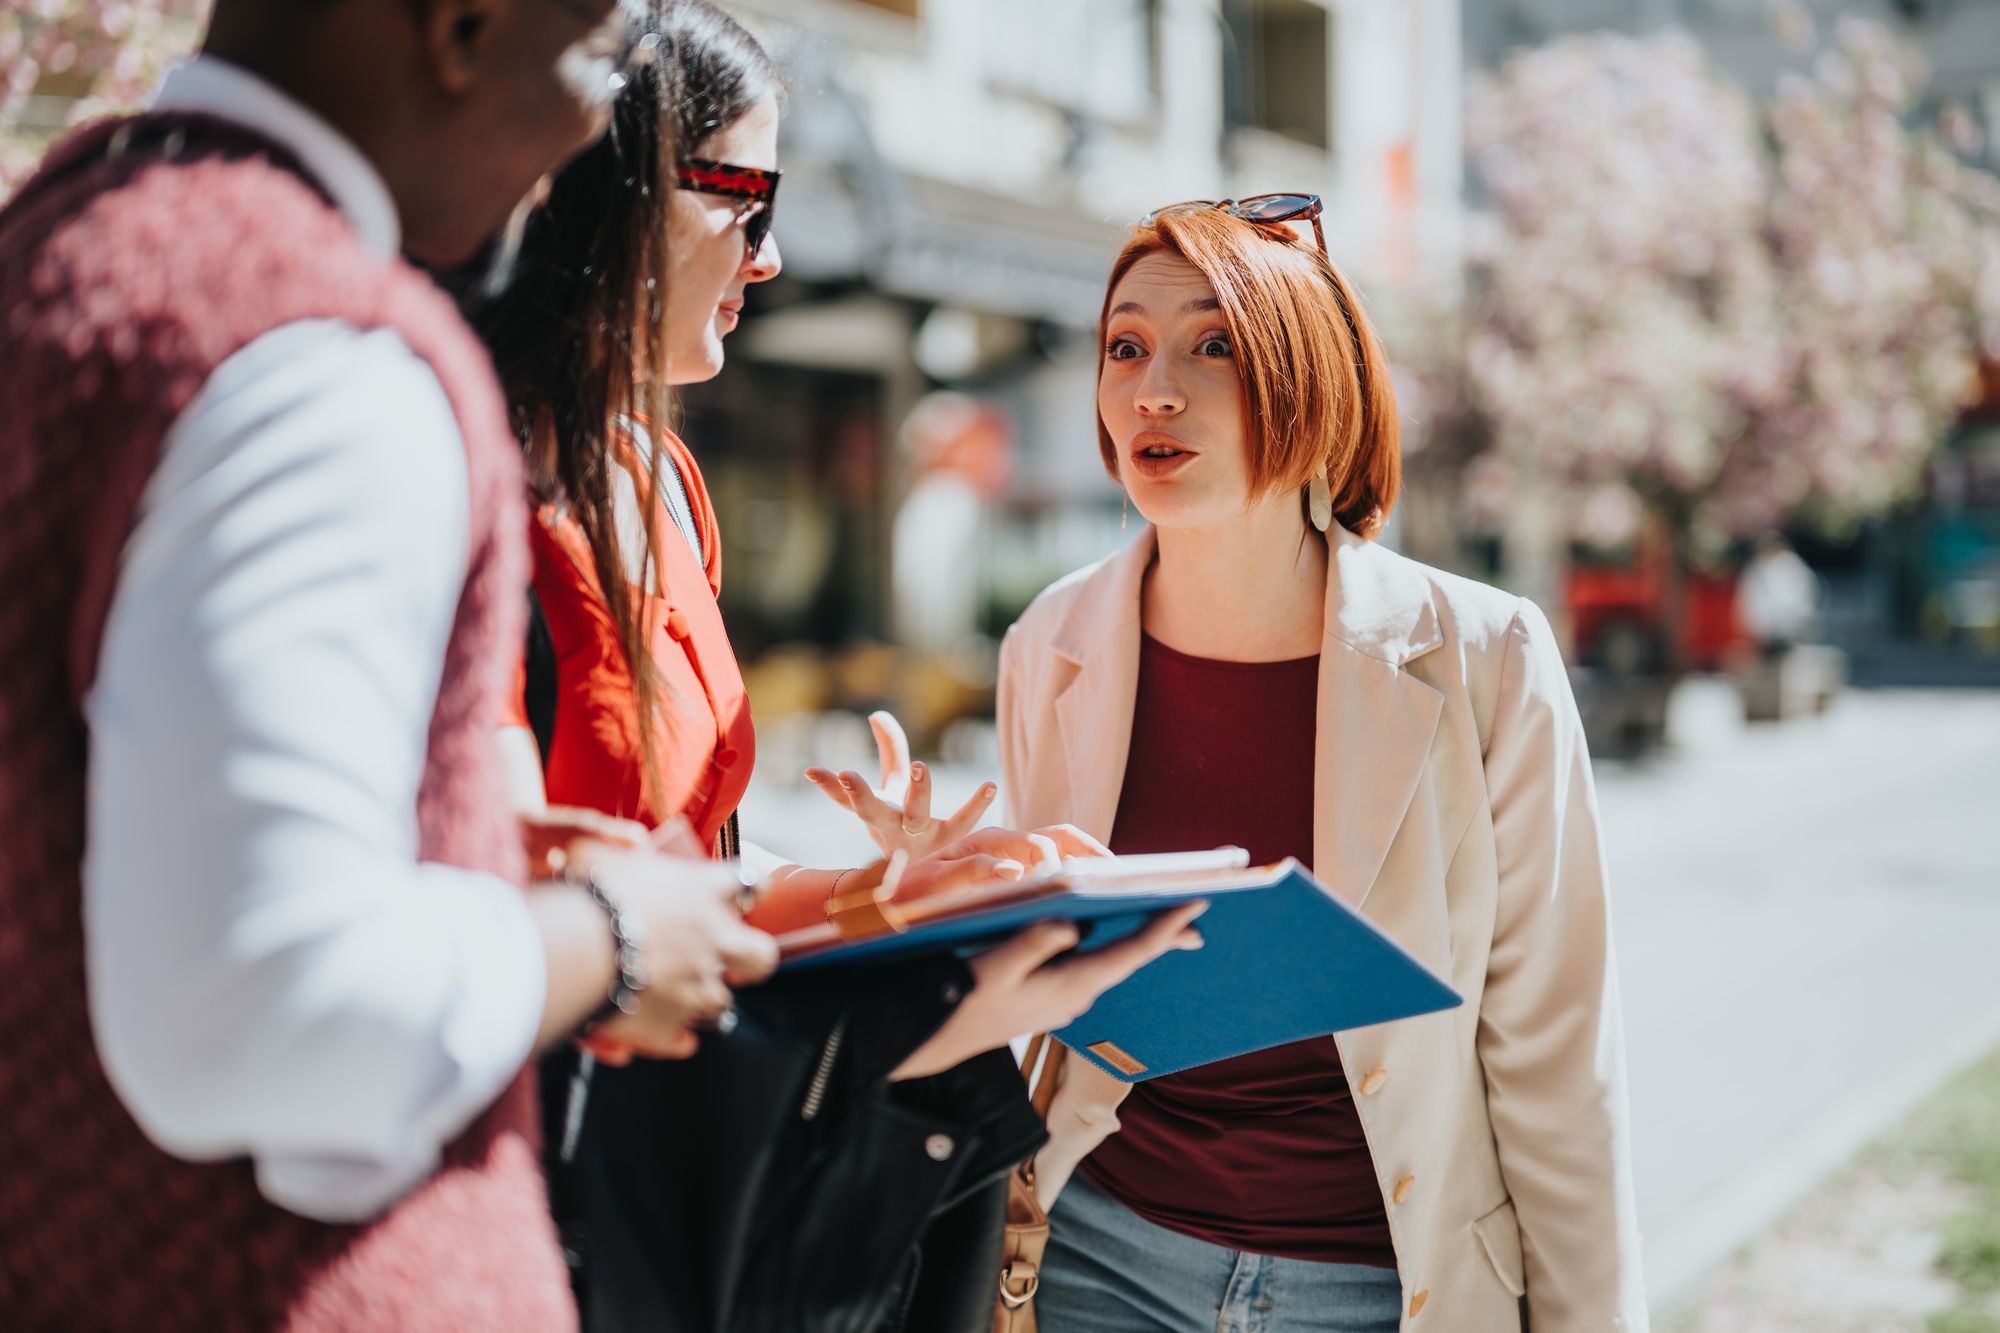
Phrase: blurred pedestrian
x=626 y=284
x=1777 y=596
x=272 y=981
x=960 y=460
x=1255 y=670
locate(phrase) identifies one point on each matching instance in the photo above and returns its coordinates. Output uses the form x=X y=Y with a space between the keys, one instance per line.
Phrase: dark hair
x=578 y=335
x=723 y=71
x=1315 y=377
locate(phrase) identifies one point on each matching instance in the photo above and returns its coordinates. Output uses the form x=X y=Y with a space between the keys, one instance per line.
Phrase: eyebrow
x=1199 y=303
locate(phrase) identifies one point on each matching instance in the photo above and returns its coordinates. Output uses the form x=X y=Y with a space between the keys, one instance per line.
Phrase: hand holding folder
x=1284 y=958
x=1022 y=983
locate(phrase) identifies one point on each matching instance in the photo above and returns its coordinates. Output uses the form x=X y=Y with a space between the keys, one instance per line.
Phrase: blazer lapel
x=1376 y=721
x=1100 y=637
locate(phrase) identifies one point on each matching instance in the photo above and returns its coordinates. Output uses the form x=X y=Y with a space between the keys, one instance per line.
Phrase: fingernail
x=1009 y=869
x=916 y=772
x=1189 y=944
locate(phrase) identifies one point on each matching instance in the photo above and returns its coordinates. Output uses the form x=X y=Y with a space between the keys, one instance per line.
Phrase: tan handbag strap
x=1027 y=1238
x=1030 y=1059
x=1041 y=1065
x=1027 y=1224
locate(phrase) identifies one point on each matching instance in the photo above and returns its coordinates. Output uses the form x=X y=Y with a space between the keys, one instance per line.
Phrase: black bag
x=776 y=1182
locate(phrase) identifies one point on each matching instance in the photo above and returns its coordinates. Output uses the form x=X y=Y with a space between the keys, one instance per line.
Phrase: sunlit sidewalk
x=1808 y=925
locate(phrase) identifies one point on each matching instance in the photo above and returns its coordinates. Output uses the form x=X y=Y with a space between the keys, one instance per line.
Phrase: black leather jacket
x=777 y=1182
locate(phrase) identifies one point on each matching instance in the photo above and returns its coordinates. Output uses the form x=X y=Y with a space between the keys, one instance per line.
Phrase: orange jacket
x=706 y=746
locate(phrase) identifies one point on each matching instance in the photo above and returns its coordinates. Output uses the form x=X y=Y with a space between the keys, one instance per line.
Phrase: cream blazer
x=1453 y=806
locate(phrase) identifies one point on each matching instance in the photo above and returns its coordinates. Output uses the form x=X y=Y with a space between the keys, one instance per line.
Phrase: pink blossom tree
x=1619 y=274
x=1888 y=253
x=1744 y=317
x=64 y=61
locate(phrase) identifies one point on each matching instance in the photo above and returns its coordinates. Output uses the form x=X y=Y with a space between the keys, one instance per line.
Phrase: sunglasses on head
x=758 y=185
x=1257 y=208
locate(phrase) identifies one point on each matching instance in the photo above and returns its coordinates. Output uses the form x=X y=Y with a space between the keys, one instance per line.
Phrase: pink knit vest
x=126 y=277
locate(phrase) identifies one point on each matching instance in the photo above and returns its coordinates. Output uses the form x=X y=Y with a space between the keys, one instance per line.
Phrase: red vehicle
x=1629 y=643
x=1619 y=619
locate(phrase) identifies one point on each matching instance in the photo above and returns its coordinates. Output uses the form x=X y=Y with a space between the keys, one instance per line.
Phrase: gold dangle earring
x=1319 y=500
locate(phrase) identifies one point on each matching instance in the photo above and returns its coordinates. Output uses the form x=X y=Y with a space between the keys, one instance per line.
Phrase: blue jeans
x=1108 y=1270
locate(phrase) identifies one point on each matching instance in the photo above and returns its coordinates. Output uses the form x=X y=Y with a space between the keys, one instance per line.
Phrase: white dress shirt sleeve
x=272 y=971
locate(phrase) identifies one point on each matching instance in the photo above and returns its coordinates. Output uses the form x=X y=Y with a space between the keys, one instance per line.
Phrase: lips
x=728 y=314
x=1158 y=455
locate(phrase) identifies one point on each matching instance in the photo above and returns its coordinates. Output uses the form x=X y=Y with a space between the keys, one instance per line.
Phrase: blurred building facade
x=1914 y=598
x=959 y=174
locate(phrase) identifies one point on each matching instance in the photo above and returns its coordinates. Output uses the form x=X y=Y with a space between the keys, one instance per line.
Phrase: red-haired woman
x=1256 y=670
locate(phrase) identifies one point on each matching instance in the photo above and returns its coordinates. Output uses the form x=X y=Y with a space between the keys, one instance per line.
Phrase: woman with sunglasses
x=622 y=289
x=626 y=283
x=1255 y=669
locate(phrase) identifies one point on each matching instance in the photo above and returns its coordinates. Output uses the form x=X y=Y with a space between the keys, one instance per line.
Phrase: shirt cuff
x=485 y=1040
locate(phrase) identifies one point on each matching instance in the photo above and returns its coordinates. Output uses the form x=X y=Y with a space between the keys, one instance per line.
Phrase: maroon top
x=1263 y=1152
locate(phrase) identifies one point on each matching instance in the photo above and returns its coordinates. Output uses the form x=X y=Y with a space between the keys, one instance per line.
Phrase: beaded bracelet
x=628 y=935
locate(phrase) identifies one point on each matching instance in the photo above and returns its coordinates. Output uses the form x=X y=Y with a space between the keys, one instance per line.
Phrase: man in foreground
x=271 y=980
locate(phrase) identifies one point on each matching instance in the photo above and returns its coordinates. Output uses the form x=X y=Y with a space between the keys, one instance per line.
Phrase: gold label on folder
x=1116 y=1058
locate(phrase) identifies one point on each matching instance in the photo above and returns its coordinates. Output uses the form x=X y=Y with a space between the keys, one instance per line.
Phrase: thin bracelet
x=833 y=887
x=628 y=936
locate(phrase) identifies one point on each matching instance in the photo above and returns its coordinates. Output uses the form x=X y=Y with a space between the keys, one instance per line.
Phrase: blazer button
x=677 y=624
x=1403 y=1188
x=1417 y=1301
x=1373 y=1083
x=939 y=1147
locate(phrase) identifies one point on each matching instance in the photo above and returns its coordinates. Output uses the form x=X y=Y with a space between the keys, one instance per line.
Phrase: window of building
x=1092 y=57
x=1276 y=57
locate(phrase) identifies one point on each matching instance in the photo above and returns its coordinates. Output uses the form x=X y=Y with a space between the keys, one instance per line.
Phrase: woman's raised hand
x=897 y=815
x=1019 y=989
x=994 y=853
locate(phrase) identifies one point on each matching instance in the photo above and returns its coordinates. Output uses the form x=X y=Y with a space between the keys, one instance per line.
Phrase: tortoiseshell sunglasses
x=1258 y=208
x=756 y=184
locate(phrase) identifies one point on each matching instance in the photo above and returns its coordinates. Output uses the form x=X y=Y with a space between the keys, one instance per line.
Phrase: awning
x=845 y=213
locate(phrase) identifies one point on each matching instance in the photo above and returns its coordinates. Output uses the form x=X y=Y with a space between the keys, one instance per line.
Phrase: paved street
x=1809 y=931
x=1808 y=922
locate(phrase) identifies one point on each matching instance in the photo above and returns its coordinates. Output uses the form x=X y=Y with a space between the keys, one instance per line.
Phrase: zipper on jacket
x=573 y=1106
x=816 y=1092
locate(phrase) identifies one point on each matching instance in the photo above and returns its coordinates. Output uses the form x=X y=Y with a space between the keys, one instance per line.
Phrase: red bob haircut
x=1315 y=379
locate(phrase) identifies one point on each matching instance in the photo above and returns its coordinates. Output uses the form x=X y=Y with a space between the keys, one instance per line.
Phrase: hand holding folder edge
x=1284 y=958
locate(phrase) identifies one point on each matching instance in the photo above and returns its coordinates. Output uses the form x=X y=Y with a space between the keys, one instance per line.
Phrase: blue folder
x=1283 y=959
